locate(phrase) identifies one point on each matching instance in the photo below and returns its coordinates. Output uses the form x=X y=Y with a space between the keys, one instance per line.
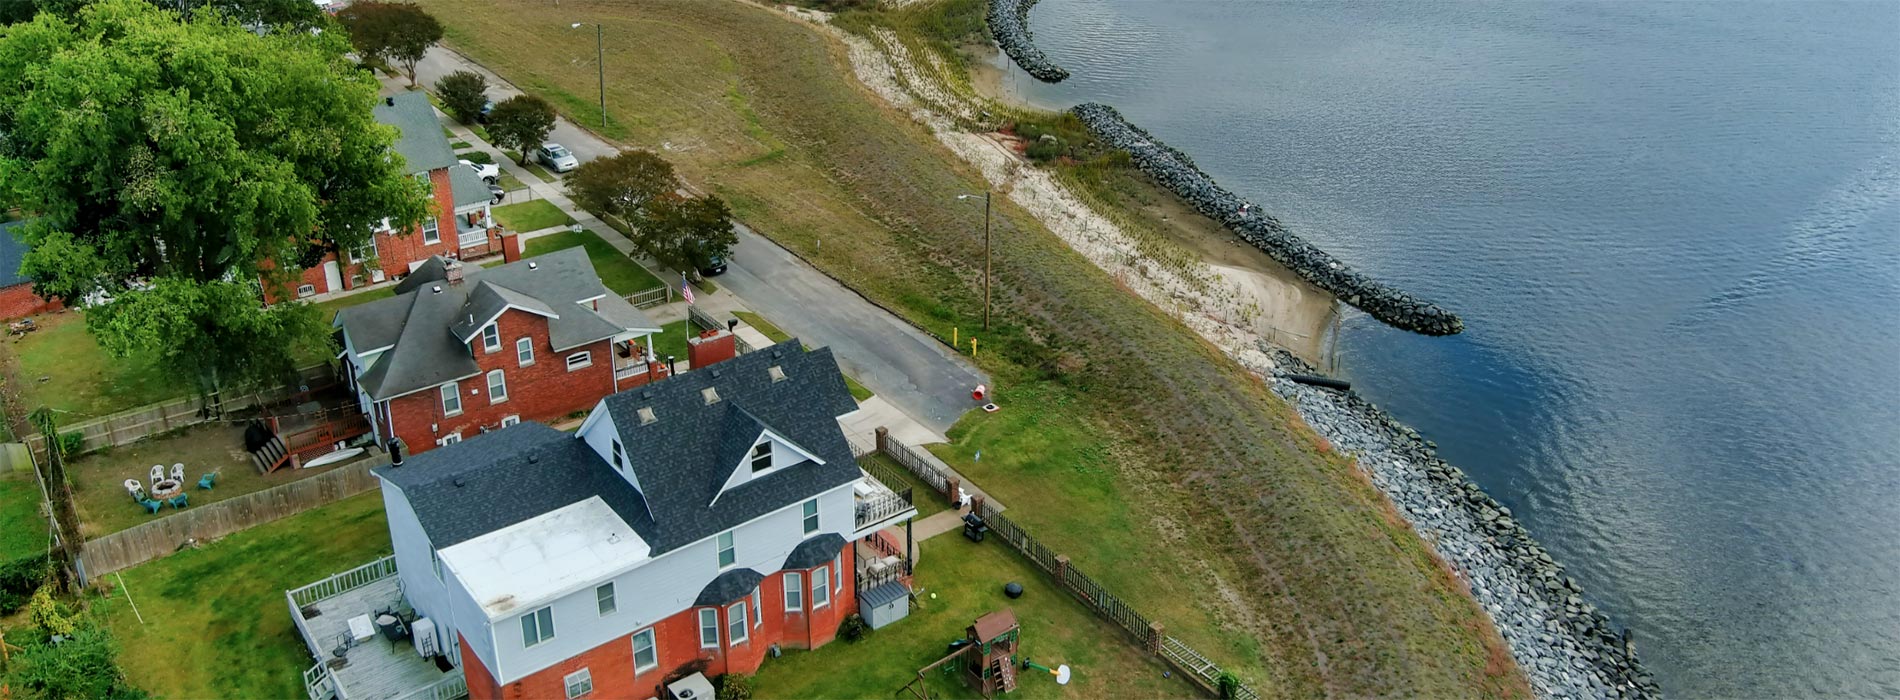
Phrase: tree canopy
x=463 y=94
x=174 y=161
x=521 y=123
x=622 y=185
x=391 y=30
x=685 y=233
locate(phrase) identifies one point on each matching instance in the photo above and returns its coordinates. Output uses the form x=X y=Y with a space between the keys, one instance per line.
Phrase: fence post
x=1155 y=633
x=883 y=439
x=951 y=484
x=976 y=502
x=1062 y=569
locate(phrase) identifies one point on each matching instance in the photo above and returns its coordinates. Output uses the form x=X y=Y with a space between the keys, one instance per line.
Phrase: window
x=709 y=628
x=794 y=592
x=491 y=338
x=811 y=516
x=620 y=456
x=604 y=598
x=497 y=387
x=820 y=587
x=304 y=290
x=579 y=683
x=537 y=627
x=758 y=611
x=645 y=657
x=524 y=351
x=579 y=360
x=435 y=560
x=510 y=420
x=451 y=399
x=727 y=553
x=762 y=456
x=736 y=628
x=429 y=232
x=449 y=439
x=837 y=564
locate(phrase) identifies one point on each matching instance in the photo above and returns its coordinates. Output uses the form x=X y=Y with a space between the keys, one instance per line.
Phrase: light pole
x=600 y=64
x=986 y=255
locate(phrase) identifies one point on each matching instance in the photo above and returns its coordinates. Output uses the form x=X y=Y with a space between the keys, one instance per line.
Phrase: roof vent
x=646 y=393
x=437 y=289
x=777 y=353
x=710 y=394
x=532 y=265
x=391 y=101
x=776 y=373
x=715 y=374
x=458 y=482
x=646 y=415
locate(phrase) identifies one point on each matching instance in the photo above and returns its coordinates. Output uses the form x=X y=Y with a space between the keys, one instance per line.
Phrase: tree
x=464 y=93
x=685 y=233
x=520 y=123
x=169 y=163
x=83 y=666
x=390 y=30
x=622 y=185
x=296 y=15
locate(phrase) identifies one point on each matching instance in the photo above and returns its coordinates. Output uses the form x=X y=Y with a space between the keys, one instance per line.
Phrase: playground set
x=985 y=659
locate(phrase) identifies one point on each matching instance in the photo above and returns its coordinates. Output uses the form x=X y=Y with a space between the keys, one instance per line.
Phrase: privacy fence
x=128 y=548
x=1093 y=595
x=126 y=427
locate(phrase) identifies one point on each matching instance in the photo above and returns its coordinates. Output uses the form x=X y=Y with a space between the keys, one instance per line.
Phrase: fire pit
x=166 y=488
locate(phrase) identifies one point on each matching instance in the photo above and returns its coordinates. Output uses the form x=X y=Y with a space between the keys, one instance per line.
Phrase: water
x=1673 y=230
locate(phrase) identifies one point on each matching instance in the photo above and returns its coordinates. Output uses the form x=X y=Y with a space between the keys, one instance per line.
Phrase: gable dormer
x=754 y=452
x=600 y=434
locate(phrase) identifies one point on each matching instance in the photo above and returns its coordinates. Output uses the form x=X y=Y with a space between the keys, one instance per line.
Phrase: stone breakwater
x=1009 y=24
x=1565 y=646
x=1177 y=172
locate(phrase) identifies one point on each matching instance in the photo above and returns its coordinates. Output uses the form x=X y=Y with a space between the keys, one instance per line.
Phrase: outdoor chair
x=178 y=472
x=207 y=481
x=158 y=473
x=132 y=486
x=180 y=500
x=151 y=506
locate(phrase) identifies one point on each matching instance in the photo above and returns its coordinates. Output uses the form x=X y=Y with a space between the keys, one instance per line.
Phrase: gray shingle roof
x=467 y=186
x=814 y=551
x=729 y=587
x=421 y=143
x=429 y=329
x=883 y=595
x=12 y=251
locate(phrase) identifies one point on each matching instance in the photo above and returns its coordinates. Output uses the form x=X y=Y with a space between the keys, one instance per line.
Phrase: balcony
x=472 y=238
x=375 y=667
x=877 y=506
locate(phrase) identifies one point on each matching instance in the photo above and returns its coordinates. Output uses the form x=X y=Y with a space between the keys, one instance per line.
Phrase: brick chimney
x=510 y=245
x=711 y=347
x=452 y=271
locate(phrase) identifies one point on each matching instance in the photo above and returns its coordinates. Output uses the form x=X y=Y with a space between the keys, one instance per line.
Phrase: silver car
x=556 y=157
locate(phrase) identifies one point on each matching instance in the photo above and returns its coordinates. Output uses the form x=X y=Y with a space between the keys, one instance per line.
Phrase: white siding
x=783 y=456
x=428 y=596
x=664 y=587
x=599 y=433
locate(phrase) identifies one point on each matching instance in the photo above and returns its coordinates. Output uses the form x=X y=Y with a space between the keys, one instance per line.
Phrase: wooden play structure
x=985 y=658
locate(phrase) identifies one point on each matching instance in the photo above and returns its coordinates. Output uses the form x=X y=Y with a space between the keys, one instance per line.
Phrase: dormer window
x=620 y=457
x=646 y=416
x=762 y=456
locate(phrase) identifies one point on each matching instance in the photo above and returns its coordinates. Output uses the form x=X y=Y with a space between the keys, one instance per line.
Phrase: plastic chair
x=180 y=500
x=132 y=486
x=158 y=473
x=178 y=472
x=207 y=481
x=151 y=506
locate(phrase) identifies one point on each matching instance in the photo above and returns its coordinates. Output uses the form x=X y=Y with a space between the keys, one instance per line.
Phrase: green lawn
x=510 y=183
x=338 y=304
x=966 y=580
x=531 y=216
x=22 y=530
x=547 y=176
x=671 y=340
x=61 y=366
x=779 y=336
x=216 y=625
x=619 y=272
x=460 y=145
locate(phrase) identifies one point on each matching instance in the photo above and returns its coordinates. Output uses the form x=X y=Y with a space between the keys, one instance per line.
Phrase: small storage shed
x=884 y=604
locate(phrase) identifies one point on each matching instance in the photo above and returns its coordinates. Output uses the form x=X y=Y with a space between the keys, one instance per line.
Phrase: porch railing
x=337 y=584
x=651 y=297
x=880 y=507
x=452 y=686
x=470 y=239
x=629 y=371
x=318 y=682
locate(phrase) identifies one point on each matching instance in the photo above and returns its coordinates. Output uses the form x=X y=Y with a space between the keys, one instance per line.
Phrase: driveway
x=915 y=373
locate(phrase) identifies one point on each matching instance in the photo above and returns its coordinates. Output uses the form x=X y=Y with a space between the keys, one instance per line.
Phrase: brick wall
x=395 y=251
x=18 y=300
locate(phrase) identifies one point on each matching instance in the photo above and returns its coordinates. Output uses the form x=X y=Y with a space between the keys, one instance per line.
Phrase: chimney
x=397 y=452
x=711 y=347
x=510 y=246
x=452 y=271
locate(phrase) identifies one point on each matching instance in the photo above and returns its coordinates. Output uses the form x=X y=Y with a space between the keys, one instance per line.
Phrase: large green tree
x=168 y=163
x=391 y=30
x=685 y=233
x=463 y=93
x=622 y=185
x=521 y=123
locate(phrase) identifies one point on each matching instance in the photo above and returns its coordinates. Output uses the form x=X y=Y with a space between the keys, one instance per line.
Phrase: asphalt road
x=911 y=370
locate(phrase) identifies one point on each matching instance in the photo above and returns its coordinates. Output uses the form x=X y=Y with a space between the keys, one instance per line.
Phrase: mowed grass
x=332 y=306
x=62 y=367
x=966 y=580
x=671 y=340
x=531 y=216
x=1162 y=467
x=216 y=625
x=22 y=531
x=619 y=272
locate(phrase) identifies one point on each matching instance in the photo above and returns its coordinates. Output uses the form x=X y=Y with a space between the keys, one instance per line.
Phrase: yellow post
x=953 y=336
x=972 y=348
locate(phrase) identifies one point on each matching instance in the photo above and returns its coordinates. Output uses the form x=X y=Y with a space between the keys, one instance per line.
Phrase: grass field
x=619 y=272
x=216 y=625
x=22 y=531
x=1163 y=468
x=967 y=580
x=61 y=366
x=531 y=216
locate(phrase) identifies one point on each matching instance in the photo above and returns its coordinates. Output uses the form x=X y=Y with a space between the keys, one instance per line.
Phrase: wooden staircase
x=1005 y=674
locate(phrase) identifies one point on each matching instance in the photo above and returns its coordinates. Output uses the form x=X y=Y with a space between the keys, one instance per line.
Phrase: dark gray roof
x=883 y=594
x=679 y=458
x=421 y=142
x=467 y=187
x=814 y=551
x=494 y=480
x=12 y=251
x=729 y=587
x=429 y=329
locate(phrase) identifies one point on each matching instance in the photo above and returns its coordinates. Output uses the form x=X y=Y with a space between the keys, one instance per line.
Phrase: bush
x=18 y=579
x=853 y=628
x=71 y=443
x=733 y=686
x=1228 y=683
x=479 y=157
x=1043 y=151
x=84 y=666
x=463 y=94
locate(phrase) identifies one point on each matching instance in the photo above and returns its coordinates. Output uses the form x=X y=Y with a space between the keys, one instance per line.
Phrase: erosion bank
x=1009 y=24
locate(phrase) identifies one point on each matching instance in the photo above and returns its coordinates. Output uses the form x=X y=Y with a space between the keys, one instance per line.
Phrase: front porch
x=353 y=667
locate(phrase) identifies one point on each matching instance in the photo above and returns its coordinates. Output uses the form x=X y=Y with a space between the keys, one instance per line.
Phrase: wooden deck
x=374 y=669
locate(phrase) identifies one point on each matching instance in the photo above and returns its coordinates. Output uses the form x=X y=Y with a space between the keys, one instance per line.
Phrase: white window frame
x=738 y=631
x=524 y=351
x=709 y=620
x=794 y=591
x=578 y=683
x=653 y=649
x=304 y=290
x=451 y=394
x=435 y=560
x=534 y=622
x=449 y=439
x=727 y=548
x=510 y=420
x=810 y=511
x=821 y=587
x=431 y=231
x=837 y=576
x=495 y=397
x=620 y=456
x=758 y=608
x=491 y=338
x=765 y=456
x=604 y=600
x=580 y=360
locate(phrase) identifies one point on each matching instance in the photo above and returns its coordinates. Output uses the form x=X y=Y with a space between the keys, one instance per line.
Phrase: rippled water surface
x=1673 y=229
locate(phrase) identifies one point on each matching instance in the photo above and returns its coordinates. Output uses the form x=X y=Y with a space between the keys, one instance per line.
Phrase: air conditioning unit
x=423 y=634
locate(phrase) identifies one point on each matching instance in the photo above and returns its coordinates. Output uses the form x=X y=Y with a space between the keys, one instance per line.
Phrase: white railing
x=629 y=371
x=452 y=686
x=881 y=506
x=318 y=682
x=470 y=239
x=337 y=584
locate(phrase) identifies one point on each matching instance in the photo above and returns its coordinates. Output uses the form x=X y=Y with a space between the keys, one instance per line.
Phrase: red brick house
x=16 y=291
x=461 y=350
x=458 y=226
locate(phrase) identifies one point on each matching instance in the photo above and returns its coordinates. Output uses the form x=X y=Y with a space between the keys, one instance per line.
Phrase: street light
x=600 y=62
x=986 y=254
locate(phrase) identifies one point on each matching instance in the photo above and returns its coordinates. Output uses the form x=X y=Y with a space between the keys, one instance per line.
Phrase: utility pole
x=986 y=259
x=600 y=62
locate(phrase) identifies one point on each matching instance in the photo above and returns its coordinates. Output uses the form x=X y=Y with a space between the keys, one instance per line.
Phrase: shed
x=884 y=604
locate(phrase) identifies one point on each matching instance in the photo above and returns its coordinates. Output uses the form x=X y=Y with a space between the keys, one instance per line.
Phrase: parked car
x=487 y=107
x=556 y=157
x=489 y=172
x=496 y=193
x=715 y=266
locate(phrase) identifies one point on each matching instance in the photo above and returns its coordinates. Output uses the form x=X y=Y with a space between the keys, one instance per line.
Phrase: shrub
x=49 y=615
x=733 y=686
x=71 y=443
x=18 y=579
x=1043 y=151
x=479 y=157
x=463 y=94
x=1228 y=683
x=853 y=628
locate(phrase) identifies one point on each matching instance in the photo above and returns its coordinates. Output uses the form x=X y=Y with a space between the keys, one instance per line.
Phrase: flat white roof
x=526 y=564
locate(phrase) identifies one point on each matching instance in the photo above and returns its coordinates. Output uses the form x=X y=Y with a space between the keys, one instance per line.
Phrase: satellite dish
x=1062 y=674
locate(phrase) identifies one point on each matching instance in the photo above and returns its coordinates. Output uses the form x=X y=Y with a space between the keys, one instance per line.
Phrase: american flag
x=686 y=290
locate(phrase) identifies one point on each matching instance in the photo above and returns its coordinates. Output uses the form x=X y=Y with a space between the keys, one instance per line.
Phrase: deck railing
x=318 y=682
x=880 y=507
x=452 y=686
x=337 y=584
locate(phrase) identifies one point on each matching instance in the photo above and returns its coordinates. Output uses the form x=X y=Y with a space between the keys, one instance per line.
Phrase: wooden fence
x=128 y=548
x=656 y=296
x=129 y=426
x=1093 y=595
